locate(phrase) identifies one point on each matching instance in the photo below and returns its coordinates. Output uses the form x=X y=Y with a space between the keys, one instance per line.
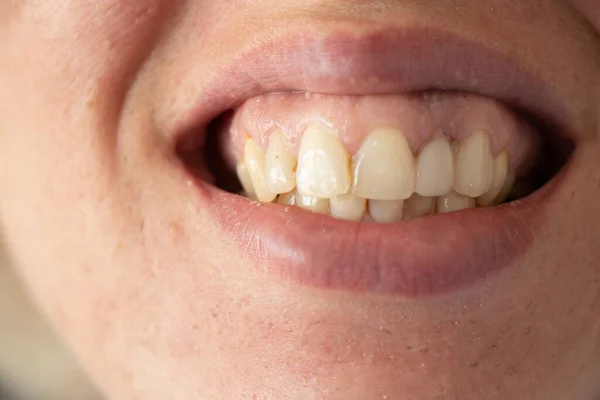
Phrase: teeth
x=348 y=207
x=474 y=165
x=288 y=198
x=323 y=165
x=506 y=188
x=384 y=167
x=435 y=169
x=254 y=159
x=280 y=166
x=419 y=206
x=454 y=202
x=500 y=173
x=245 y=180
x=385 y=211
x=311 y=203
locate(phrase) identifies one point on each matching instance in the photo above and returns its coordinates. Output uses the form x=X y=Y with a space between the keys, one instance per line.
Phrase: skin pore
x=122 y=250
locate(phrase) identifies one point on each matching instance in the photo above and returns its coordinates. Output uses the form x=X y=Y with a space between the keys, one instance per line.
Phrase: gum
x=420 y=116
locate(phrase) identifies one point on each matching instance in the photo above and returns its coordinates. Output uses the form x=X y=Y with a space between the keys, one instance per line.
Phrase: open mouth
x=380 y=183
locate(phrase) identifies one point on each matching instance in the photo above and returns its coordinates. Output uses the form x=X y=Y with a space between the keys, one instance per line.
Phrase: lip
x=422 y=257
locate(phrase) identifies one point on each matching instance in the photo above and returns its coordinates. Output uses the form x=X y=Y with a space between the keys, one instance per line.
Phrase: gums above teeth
x=440 y=154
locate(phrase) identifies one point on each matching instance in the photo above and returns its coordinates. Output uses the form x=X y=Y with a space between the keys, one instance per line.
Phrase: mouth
x=329 y=160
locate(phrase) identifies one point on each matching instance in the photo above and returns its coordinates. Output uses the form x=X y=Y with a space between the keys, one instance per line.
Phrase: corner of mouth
x=364 y=257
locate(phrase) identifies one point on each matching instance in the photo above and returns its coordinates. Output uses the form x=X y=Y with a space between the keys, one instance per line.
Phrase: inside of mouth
x=380 y=159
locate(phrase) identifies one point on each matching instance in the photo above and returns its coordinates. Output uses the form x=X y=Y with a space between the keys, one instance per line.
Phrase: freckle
x=474 y=365
x=175 y=230
x=473 y=320
x=425 y=350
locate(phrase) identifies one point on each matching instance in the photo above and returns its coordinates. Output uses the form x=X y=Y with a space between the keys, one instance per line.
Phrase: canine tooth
x=245 y=180
x=435 y=169
x=280 y=165
x=288 y=198
x=474 y=165
x=348 y=206
x=419 y=206
x=313 y=204
x=500 y=173
x=254 y=159
x=453 y=202
x=386 y=211
x=384 y=168
x=323 y=165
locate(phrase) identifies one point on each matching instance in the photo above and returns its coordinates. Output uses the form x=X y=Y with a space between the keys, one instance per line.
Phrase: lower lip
x=418 y=258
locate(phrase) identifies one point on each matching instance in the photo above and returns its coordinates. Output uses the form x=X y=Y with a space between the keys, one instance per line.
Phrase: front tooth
x=312 y=203
x=474 y=165
x=419 y=206
x=323 y=165
x=245 y=180
x=348 y=206
x=435 y=169
x=385 y=211
x=500 y=174
x=280 y=165
x=254 y=159
x=384 y=168
x=288 y=198
x=454 y=202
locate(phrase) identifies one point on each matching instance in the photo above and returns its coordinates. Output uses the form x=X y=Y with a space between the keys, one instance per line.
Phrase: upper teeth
x=325 y=178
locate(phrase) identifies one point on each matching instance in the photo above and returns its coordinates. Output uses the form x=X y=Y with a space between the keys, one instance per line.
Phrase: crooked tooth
x=280 y=165
x=500 y=174
x=245 y=180
x=288 y=198
x=384 y=168
x=386 y=211
x=348 y=206
x=254 y=159
x=474 y=165
x=323 y=165
x=435 y=169
x=312 y=203
x=419 y=206
x=454 y=202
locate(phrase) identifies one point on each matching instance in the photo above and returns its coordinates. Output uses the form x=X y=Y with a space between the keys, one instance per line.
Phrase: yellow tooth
x=474 y=165
x=385 y=211
x=454 y=202
x=245 y=180
x=500 y=174
x=280 y=165
x=506 y=188
x=313 y=204
x=348 y=206
x=254 y=159
x=384 y=168
x=435 y=169
x=419 y=206
x=323 y=165
x=288 y=198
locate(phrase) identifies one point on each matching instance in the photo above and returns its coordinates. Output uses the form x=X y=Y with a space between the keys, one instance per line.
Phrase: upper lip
x=423 y=257
x=380 y=61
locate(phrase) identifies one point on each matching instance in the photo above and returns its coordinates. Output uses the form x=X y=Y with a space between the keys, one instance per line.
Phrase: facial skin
x=118 y=250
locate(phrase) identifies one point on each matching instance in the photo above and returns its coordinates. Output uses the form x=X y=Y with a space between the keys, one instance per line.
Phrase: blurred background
x=34 y=365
